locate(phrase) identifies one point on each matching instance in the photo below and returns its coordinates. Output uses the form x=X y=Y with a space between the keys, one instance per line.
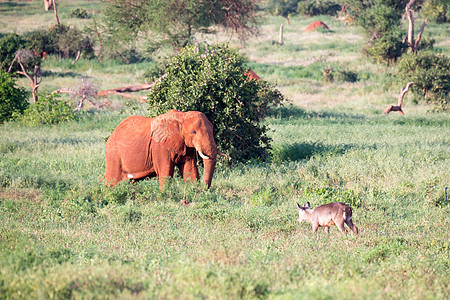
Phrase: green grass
x=63 y=234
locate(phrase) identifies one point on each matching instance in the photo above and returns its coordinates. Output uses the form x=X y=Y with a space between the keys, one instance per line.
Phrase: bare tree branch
x=419 y=35
x=398 y=107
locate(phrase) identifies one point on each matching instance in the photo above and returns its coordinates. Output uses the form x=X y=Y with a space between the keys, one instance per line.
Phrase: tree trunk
x=413 y=45
x=48 y=4
x=56 y=12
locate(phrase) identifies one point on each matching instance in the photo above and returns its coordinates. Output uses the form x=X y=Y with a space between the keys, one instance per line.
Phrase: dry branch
x=398 y=107
x=86 y=91
x=131 y=89
x=22 y=57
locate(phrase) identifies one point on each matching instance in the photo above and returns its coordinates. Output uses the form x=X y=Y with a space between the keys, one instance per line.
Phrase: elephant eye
x=194 y=132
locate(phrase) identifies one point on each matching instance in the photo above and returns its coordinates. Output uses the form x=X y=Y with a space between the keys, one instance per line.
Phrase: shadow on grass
x=61 y=74
x=299 y=151
x=289 y=112
x=5 y=6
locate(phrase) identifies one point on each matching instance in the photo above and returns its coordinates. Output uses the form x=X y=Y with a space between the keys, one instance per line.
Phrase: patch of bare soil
x=12 y=194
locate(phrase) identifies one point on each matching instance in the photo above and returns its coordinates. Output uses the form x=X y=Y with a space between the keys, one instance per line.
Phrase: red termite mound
x=315 y=25
x=252 y=75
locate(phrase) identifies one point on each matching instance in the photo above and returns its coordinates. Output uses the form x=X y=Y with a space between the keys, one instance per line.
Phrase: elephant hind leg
x=113 y=171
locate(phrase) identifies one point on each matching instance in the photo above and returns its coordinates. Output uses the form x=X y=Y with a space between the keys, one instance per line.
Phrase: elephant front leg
x=163 y=164
x=189 y=170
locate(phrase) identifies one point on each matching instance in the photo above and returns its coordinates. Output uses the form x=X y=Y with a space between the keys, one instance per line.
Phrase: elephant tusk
x=203 y=155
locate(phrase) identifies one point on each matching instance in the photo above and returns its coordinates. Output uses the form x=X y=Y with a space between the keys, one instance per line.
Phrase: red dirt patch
x=315 y=25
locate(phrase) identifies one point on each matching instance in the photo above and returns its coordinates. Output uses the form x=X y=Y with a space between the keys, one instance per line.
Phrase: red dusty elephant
x=151 y=147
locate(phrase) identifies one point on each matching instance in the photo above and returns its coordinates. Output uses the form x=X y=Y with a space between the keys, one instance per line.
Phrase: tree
x=381 y=20
x=413 y=45
x=215 y=83
x=23 y=57
x=175 y=21
x=48 y=4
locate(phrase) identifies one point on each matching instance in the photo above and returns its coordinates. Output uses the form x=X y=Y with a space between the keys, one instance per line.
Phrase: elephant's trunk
x=208 y=171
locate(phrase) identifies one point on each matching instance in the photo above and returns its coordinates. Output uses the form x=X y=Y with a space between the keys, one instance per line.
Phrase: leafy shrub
x=79 y=13
x=426 y=44
x=285 y=8
x=435 y=10
x=13 y=100
x=216 y=84
x=381 y=20
x=47 y=110
x=153 y=72
x=69 y=41
x=60 y=40
x=387 y=48
x=345 y=75
x=282 y=8
x=314 y=8
x=41 y=41
x=430 y=74
x=9 y=45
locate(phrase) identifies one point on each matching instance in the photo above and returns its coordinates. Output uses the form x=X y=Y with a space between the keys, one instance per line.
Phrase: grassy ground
x=64 y=235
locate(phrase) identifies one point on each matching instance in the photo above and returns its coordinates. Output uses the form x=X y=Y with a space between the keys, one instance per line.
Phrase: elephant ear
x=167 y=132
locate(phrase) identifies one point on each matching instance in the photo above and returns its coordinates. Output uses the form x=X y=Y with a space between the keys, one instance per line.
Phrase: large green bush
x=430 y=73
x=47 y=110
x=215 y=83
x=13 y=99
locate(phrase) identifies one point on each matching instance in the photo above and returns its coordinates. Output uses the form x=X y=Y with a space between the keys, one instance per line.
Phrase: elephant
x=141 y=148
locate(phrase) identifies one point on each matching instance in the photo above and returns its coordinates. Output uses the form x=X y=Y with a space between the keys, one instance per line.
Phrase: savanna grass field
x=63 y=234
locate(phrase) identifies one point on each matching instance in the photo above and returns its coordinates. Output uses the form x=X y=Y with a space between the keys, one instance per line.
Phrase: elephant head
x=180 y=132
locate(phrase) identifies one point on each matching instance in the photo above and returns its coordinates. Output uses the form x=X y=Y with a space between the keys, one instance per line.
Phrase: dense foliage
x=436 y=10
x=13 y=99
x=175 y=22
x=9 y=45
x=79 y=13
x=286 y=8
x=315 y=8
x=49 y=110
x=430 y=74
x=62 y=40
x=215 y=84
x=381 y=21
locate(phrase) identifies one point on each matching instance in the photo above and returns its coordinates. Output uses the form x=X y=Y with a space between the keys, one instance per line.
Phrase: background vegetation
x=64 y=235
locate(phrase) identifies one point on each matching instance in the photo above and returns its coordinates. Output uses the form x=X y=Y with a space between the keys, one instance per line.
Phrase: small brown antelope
x=336 y=213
